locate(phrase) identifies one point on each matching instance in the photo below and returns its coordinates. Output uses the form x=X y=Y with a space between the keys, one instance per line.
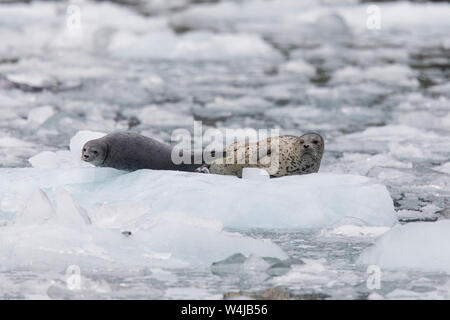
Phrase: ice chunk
x=426 y=213
x=315 y=200
x=416 y=245
x=255 y=174
x=355 y=231
x=32 y=81
x=122 y=216
x=445 y=168
x=332 y=26
x=154 y=116
x=297 y=201
x=166 y=240
x=190 y=46
x=59 y=159
x=17 y=185
x=392 y=75
x=66 y=159
x=38 y=210
x=300 y=67
x=173 y=218
x=38 y=116
x=11 y=142
x=419 y=16
x=375 y=296
x=400 y=294
x=310 y=271
x=68 y=211
x=14 y=150
x=240 y=265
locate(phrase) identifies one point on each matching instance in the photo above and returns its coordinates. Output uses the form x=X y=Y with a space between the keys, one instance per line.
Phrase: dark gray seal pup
x=131 y=151
x=280 y=156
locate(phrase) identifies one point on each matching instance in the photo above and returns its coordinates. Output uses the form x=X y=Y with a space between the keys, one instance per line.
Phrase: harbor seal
x=131 y=151
x=281 y=156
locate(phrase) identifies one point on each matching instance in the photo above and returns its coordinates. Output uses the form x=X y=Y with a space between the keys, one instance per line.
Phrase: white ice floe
x=445 y=168
x=255 y=174
x=12 y=142
x=76 y=214
x=154 y=116
x=395 y=75
x=65 y=235
x=350 y=230
x=315 y=200
x=39 y=115
x=335 y=18
x=400 y=294
x=300 y=67
x=12 y=149
x=166 y=45
x=63 y=158
x=421 y=246
x=312 y=271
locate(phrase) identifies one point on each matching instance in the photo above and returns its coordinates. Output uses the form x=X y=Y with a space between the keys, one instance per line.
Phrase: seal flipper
x=203 y=169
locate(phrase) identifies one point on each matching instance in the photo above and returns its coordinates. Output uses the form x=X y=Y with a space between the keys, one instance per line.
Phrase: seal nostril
x=85 y=156
x=306 y=146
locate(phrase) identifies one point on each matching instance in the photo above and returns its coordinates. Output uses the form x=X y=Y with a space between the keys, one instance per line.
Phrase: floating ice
x=38 y=116
x=420 y=245
x=76 y=215
x=11 y=142
x=38 y=209
x=395 y=75
x=32 y=81
x=239 y=265
x=169 y=239
x=191 y=46
x=255 y=174
x=66 y=159
x=311 y=271
x=300 y=67
x=400 y=294
x=313 y=200
x=155 y=117
x=355 y=231
x=445 y=168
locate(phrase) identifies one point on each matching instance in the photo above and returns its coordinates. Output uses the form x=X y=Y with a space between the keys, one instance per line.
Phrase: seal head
x=95 y=152
x=311 y=147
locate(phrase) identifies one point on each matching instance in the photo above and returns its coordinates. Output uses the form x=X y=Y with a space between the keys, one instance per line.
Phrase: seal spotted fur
x=286 y=155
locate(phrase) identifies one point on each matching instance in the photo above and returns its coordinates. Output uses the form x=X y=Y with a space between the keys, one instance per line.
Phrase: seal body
x=280 y=156
x=131 y=151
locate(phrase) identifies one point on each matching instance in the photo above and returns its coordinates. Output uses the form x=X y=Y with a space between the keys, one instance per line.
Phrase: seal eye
x=315 y=142
x=302 y=141
x=95 y=151
x=84 y=149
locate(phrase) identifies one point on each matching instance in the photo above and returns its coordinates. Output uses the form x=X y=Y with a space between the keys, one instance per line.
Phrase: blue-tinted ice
x=379 y=97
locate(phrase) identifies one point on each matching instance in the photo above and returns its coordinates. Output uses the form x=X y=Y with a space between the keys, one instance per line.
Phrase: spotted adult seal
x=281 y=156
x=130 y=151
